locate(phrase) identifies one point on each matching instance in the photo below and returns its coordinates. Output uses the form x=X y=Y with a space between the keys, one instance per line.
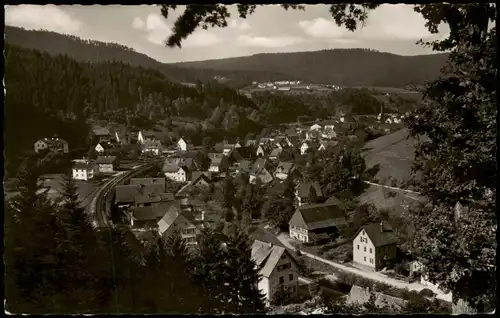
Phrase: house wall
x=281 y=175
x=303 y=149
x=99 y=148
x=179 y=176
x=299 y=233
x=260 y=152
x=182 y=145
x=290 y=284
x=363 y=251
x=39 y=145
x=213 y=168
x=82 y=174
x=106 y=167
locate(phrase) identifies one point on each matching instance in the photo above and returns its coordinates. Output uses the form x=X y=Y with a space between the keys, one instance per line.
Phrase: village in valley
x=240 y=172
x=187 y=190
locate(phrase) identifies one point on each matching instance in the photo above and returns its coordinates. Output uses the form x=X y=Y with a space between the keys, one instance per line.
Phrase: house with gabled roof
x=126 y=195
x=176 y=173
x=148 y=216
x=285 y=170
x=327 y=143
x=218 y=162
x=303 y=193
x=306 y=145
x=146 y=181
x=102 y=134
x=203 y=178
x=260 y=170
x=107 y=164
x=182 y=145
x=84 y=170
x=316 y=222
x=103 y=146
x=315 y=127
x=374 y=246
x=278 y=270
x=187 y=221
x=52 y=144
x=262 y=150
x=152 y=147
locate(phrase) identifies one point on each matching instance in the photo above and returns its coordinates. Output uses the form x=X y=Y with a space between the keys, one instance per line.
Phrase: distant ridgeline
x=56 y=95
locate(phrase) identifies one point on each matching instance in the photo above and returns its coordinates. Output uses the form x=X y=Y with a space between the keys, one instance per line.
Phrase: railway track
x=101 y=204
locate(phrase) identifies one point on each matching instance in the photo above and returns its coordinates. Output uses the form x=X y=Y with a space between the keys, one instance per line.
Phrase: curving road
x=100 y=204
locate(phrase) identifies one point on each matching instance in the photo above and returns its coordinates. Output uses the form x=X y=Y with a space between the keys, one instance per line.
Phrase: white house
x=106 y=164
x=374 y=246
x=279 y=270
x=315 y=127
x=176 y=173
x=306 y=145
x=84 y=170
x=182 y=145
x=101 y=147
x=52 y=144
x=152 y=147
x=140 y=138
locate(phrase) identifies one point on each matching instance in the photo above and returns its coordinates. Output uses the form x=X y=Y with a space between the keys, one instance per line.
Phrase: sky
x=393 y=28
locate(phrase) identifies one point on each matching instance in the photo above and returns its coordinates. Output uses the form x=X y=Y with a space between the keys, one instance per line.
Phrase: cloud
x=48 y=17
x=158 y=30
x=269 y=42
x=242 y=25
x=321 y=28
x=395 y=22
x=138 y=23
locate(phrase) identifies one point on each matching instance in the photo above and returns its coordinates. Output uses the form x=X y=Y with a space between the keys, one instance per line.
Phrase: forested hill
x=56 y=95
x=95 y=51
x=349 y=67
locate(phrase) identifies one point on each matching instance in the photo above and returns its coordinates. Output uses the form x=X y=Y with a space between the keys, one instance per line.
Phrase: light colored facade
x=373 y=245
x=99 y=148
x=182 y=145
x=83 y=171
x=52 y=144
x=179 y=175
x=175 y=219
x=315 y=127
x=303 y=148
x=279 y=269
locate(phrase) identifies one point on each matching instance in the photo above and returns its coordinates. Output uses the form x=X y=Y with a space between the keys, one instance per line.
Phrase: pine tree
x=245 y=295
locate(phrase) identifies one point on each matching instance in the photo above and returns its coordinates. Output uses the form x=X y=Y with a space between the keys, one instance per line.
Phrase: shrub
x=426 y=292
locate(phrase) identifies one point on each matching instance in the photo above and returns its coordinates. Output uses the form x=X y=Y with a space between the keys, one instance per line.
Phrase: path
x=391 y=188
x=376 y=276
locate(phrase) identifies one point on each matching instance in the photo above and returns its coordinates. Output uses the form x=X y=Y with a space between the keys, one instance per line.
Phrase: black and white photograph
x=238 y=159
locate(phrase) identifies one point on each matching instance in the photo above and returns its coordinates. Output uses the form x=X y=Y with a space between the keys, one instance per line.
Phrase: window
x=358 y=246
x=290 y=276
x=370 y=250
x=293 y=289
x=282 y=280
x=365 y=258
x=371 y=260
x=365 y=248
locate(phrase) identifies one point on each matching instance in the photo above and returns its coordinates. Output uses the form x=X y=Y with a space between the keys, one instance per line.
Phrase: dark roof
x=105 y=159
x=152 y=212
x=333 y=200
x=83 y=165
x=305 y=188
x=128 y=193
x=216 y=158
x=147 y=181
x=317 y=216
x=286 y=167
x=380 y=234
x=196 y=175
x=276 y=152
x=101 y=131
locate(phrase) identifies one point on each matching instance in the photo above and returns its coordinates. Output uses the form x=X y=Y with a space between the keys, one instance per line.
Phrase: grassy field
x=394 y=153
